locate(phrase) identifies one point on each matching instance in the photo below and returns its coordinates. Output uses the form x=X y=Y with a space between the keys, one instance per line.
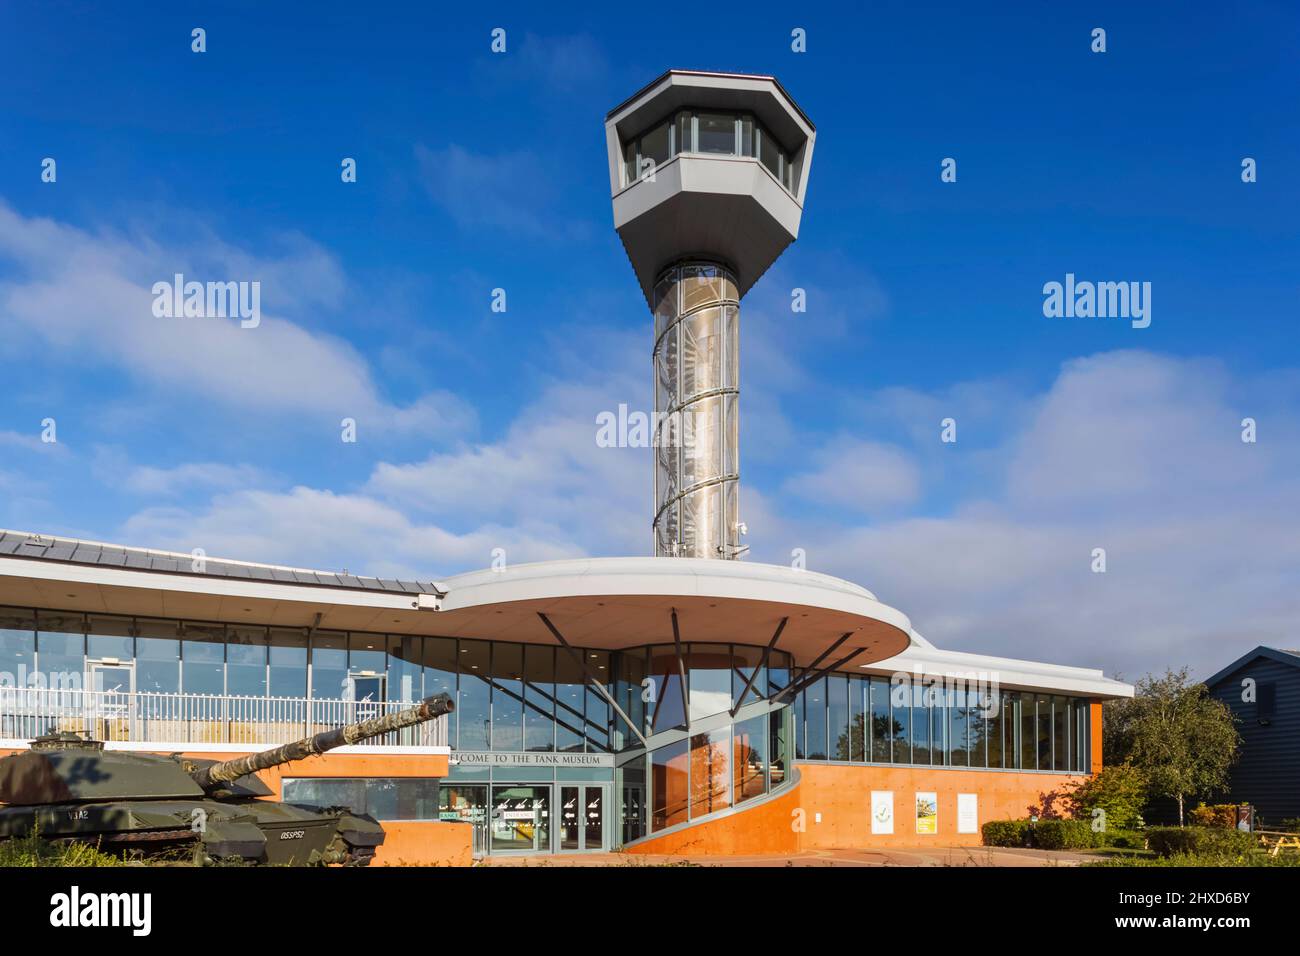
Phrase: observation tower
x=708 y=173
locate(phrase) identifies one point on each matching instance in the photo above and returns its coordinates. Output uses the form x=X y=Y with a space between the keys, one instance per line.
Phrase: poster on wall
x=882 y=811
x=927 y=813
x=968 y=814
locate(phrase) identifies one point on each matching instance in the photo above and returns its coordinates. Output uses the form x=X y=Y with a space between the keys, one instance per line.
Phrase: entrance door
x=109 y=707
x=582 y=817
x=110 y=677
x=466 y=803
x=367 y=693
x=521 y=819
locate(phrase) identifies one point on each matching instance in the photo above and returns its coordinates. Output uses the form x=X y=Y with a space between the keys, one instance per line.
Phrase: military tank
x=67 y=788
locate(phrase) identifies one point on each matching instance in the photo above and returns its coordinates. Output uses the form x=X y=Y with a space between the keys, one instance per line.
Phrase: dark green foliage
x=1063 y=835
x=1201 y=841
x=1006 y=833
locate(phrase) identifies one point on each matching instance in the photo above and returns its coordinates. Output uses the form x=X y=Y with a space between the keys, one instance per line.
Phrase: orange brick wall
x=842 y=795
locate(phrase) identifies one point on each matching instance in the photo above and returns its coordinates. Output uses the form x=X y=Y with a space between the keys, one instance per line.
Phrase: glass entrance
x=110 y=677
x=521 y=819
x=466 y=803
x=366 y=690
x=582 y=817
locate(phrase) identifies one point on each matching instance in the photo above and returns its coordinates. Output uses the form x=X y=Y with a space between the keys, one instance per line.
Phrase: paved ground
x=920 y=856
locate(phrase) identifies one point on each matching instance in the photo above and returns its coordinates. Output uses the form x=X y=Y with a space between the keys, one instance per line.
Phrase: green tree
x=1180 y=738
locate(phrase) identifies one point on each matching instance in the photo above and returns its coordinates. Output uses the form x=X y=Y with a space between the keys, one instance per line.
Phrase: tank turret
x=214 y=776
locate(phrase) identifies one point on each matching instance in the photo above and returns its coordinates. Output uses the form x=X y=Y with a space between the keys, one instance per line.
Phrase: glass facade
x=706 y=732
x=936 y=724
x=708 y=133
x=384 y=798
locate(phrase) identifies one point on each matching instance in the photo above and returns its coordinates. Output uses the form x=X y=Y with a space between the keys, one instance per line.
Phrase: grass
x=33 y=851
x=1253 y=859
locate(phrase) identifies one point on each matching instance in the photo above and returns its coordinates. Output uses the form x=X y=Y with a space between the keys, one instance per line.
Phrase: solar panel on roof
x=24 y=545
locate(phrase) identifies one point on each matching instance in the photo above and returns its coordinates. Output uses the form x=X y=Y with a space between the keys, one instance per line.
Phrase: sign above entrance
x=482 y=758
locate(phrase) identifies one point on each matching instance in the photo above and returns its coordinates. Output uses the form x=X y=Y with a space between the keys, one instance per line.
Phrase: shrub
x=1064 y=835
x=1221 y=815
x=1119 y=792
x=1122 y=839
x=1201 y=841
x=1006 y=833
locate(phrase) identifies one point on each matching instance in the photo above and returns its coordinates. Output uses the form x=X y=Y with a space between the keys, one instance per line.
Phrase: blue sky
x=476 y=429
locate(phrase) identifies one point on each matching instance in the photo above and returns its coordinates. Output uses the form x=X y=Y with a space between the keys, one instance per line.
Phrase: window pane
x=1060 y=734
x=837 y=709
x=920 y=724
x=710 y=771
x=472 y=703
x=669 y=771
x=569 y=717
x=1044 y=705
x=1028 y=733
x=685 y=138
x=329 y=665
x=716 y=132
x=747 y=146
x=1010 y=728
x=993 y=730
x=768 y=153
x=900 y=699
x=814 y=721
x=203 y=653
x=779 y=723
x=749 y=757
x=366 y=652
x=629 y=163
x=61 y=649
x=747 y=660
x=629 y=672
x=654 y=146
x=629 y=780
x=1083 y=735
x=666 y=699
x=288 y=656
x=539 y=697
x=858 y=732
x=958 y=744
x=710 y=679
x=440 y=666
x=109 y=637
x=778 y=671
x=246 y=661
x=18 y=645
x=599 y=713
x=157 y=657
x=404 y=667
x=507 y=696
x=881 y=723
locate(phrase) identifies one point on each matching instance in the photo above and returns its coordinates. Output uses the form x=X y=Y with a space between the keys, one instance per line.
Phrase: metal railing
x=27 y=712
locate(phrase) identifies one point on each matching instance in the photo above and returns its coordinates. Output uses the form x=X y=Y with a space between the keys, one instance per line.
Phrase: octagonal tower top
x=708 y=165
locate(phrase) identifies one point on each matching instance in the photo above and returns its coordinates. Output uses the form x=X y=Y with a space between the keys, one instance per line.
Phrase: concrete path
x=919 y=856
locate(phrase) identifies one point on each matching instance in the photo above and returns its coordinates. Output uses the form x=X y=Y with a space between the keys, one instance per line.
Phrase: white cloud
x=308 y=527
x=857 y=475
x=1135 y=453
x=88 y=297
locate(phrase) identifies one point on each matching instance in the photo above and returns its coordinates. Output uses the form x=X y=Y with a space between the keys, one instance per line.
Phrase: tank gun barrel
x=228 y=770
